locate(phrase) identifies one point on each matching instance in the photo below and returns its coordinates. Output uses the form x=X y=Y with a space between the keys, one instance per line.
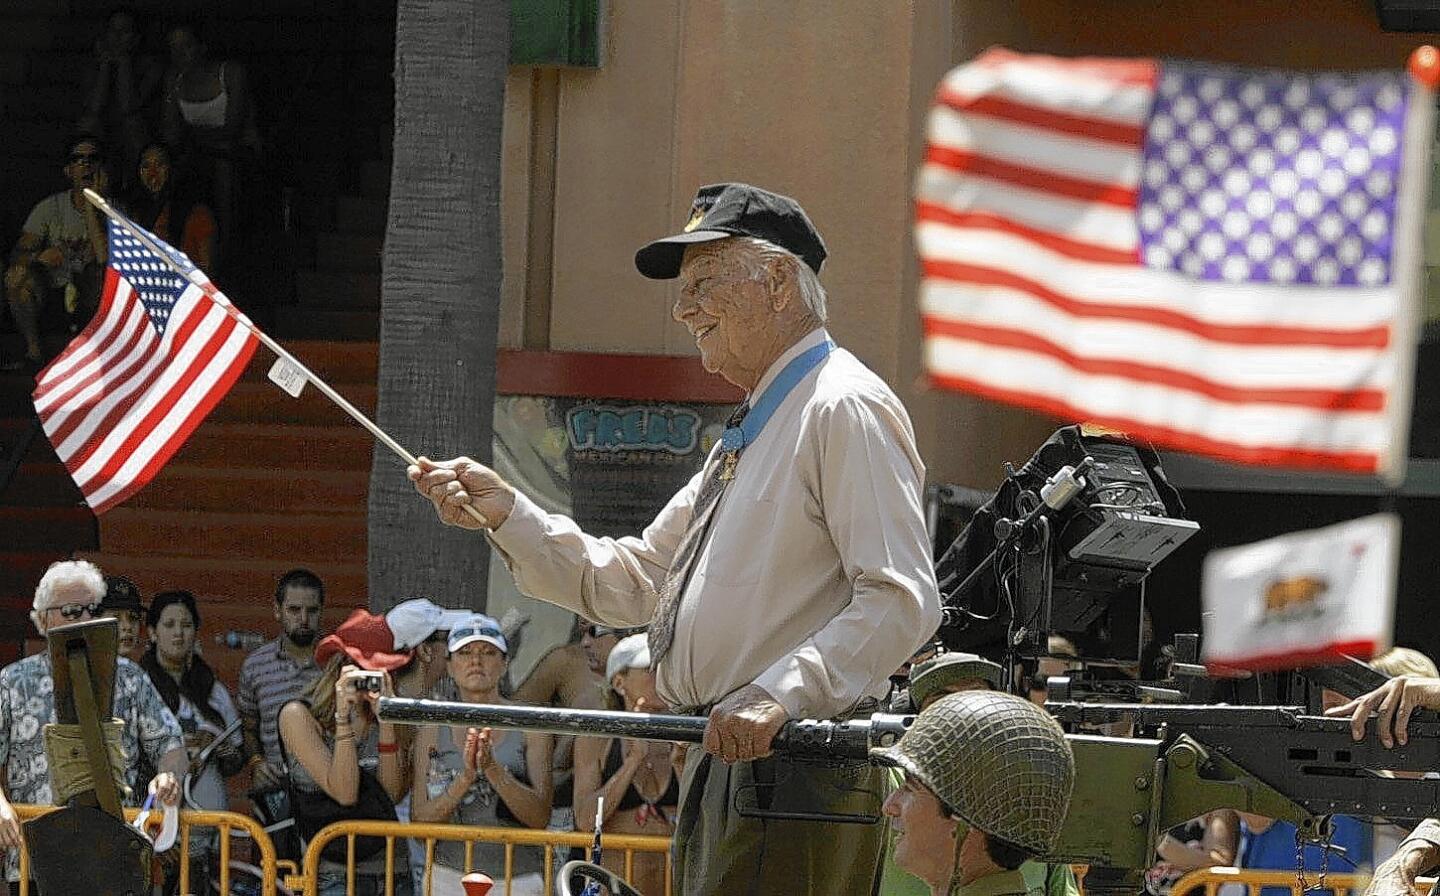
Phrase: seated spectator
x=123 y=604
x=58 y=265
x=203 y=708
x=333 y=745
x=208 y=115
x=169 y=207
x=70 y=591
x=636 y=778
x=482 y=777
x=124 y=90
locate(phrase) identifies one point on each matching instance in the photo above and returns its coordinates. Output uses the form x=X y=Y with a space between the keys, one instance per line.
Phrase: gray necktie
x=662 y=628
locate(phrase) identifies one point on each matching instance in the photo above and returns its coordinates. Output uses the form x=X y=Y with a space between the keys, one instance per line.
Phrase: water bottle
x=240 y=639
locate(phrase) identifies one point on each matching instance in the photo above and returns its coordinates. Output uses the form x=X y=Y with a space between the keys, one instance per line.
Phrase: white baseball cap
x=632 y=652
x=415 y=621
x=477 y=627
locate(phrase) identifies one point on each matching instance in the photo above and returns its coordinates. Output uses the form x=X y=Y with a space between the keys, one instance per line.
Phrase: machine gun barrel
x=818 y=740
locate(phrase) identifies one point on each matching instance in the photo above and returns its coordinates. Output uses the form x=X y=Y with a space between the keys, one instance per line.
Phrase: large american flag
x=161 y=351
x=1224 y=261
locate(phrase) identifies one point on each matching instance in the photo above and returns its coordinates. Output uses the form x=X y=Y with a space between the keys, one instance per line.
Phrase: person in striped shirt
x=278 y=672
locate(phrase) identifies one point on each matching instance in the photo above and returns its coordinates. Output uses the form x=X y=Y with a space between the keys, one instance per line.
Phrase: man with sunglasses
x=72 y=591
x=58 y=264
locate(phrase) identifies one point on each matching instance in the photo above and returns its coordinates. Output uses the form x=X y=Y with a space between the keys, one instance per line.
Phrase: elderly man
x=788 y=579
x=70 y=591
x=1393 y=703
x=988 y=778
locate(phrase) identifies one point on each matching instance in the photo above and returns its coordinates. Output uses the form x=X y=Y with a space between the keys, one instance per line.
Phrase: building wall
x=823 y=101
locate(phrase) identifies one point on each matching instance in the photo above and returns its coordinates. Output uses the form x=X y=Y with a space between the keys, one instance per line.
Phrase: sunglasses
x=84 y=157
x=467 y=631
x=75 y=611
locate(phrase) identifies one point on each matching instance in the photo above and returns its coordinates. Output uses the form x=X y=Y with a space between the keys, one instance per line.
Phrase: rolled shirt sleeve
x=869 y=488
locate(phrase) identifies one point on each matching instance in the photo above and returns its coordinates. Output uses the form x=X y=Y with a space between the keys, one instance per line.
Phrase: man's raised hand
x=452 y=484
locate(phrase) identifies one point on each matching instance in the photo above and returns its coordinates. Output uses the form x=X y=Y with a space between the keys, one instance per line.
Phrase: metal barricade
x=1208 y=881
x=226 y=824
x=429 y=834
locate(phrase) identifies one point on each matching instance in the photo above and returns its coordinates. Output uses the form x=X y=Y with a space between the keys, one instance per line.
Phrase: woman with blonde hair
x=637 y=778
x=342 y=762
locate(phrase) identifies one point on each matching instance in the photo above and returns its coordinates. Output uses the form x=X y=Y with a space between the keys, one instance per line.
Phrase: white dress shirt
x=816 y=580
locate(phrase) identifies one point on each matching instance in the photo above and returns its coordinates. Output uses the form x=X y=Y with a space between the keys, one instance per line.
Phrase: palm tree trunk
x=440 y=289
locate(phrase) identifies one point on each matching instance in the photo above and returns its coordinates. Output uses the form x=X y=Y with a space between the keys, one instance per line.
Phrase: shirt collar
x=805 y=343
x=1002 y=884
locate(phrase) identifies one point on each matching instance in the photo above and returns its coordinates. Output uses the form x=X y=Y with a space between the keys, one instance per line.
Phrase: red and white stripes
x=122 y=398
x=1034 y=292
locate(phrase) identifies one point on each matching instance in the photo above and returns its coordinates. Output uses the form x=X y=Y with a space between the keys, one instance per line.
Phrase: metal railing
x=1208 y=881
x=226 y=824
x=627 y=845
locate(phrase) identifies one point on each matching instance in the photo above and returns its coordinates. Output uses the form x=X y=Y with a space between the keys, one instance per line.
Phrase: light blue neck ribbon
x=734 y=439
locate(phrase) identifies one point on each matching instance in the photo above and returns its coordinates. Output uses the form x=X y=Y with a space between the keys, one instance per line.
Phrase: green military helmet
x=939 y=672
x=998 y=762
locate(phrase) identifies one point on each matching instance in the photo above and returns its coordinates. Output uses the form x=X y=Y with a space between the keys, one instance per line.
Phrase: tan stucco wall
x=823 y=101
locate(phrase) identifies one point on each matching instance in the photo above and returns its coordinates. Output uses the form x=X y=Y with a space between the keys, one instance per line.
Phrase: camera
x=369 y=682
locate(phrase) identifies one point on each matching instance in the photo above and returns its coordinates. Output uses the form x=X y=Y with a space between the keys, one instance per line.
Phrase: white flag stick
x=194 y=277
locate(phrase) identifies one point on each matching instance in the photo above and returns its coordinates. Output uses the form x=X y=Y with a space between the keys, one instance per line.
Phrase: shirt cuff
x=522 y=530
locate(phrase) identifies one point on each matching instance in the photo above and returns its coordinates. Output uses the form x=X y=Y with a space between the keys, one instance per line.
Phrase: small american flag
x=161 y=351
x=1221 y=260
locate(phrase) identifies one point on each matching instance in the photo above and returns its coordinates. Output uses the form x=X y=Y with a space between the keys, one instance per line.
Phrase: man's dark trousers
x=718 y=851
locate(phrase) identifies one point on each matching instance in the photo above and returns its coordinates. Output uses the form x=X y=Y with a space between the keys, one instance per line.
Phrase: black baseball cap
x=726 y=210
x=121 y=594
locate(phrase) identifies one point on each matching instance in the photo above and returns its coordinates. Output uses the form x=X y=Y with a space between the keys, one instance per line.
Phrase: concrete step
x=15 y=430
x=338 y=290
x=35 y=140
x=264 y=446
x=14 y=67
x=63 y=529
x=361 y=214
x=375 y=179
x=41 y=485
x=32 y=32
x=336 y=251
x=52 y=103
x=334 y=537
x=309 y=323
x=182 y=487
x=73 y=67
x=267 y=403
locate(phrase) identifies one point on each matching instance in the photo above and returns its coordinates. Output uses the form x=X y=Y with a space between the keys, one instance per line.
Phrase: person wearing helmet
x=987 y=783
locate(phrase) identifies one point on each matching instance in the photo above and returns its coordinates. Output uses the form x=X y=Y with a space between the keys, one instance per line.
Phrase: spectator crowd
x=170 y=138
x=302 y=733
x=300 y=729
